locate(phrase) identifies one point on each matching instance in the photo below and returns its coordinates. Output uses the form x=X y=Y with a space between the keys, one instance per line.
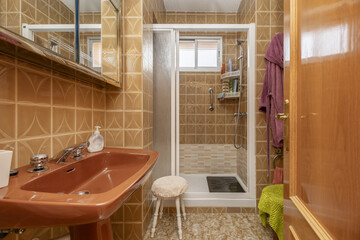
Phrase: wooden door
x=322 y=133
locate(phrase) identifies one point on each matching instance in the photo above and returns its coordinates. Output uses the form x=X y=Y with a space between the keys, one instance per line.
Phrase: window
x=94 y=53
x=200 y=53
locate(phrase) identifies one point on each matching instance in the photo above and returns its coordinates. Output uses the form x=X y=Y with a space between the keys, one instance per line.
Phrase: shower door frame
x=249 y=198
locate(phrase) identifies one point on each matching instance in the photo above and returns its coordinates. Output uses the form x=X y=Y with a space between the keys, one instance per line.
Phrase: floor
x=212 y=226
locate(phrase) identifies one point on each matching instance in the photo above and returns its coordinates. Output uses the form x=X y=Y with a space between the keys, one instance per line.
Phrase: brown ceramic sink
x=79 y=193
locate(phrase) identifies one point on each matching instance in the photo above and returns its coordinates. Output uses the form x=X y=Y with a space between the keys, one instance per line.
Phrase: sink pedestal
x=93 y=231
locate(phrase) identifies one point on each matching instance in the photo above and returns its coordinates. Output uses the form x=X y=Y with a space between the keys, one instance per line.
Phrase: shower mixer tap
x=242 y=114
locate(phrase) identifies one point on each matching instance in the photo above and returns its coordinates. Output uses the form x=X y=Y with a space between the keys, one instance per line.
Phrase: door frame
x=251 y=93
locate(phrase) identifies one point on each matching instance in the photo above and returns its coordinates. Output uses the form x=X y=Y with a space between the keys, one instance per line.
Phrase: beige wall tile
x=83 y=120
x=63 y=120
x=33 y=121
x=63 y=91
x=28 y=148
x=7 y=121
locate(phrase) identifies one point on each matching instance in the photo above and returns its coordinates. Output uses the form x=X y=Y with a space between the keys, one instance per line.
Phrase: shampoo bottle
x=96 y=141
x=230 y=65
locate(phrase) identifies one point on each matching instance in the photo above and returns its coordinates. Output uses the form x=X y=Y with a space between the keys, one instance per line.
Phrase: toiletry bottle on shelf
x=230 y=65
x=223 y=68
x=235 y=85
x=96 y=141
x=230 y=86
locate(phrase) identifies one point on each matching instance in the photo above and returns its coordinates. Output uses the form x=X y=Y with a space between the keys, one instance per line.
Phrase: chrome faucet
x=76 y=150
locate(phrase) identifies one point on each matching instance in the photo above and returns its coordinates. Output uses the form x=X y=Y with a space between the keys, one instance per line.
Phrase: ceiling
x=202 y=5
x=85 y=5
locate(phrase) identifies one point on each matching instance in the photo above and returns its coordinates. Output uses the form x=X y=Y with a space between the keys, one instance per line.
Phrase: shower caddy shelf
x=228 y=76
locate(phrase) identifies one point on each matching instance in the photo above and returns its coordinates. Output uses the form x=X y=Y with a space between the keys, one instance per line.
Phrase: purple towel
x=272 y=94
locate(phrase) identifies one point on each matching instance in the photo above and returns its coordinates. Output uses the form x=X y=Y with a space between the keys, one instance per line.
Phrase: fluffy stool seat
x=169 y=186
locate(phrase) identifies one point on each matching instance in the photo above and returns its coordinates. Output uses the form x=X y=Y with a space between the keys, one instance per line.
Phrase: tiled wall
x=16 y=12
x=88 y=18
x=45 y=113
x=48 y=111
x=207 y=158
x=268 y=17
x=201 y=17
x=200 y=126
x=133 y=218
x=109 y=40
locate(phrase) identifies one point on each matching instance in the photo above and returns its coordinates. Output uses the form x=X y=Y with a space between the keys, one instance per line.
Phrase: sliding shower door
x=164 y=101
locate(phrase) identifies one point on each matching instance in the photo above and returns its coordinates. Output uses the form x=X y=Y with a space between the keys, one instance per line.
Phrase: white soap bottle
x=96 y=141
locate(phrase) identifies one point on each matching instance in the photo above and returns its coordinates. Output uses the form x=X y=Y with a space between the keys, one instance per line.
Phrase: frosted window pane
x=187 y=54
x=207 y=54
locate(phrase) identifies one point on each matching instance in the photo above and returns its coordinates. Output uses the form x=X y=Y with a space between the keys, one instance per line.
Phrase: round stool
x=169 y=187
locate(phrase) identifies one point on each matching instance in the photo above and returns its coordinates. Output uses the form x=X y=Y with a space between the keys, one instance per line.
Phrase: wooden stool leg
x=178 y=215
x=158 y=201
x=183 y=207
x=161 y=208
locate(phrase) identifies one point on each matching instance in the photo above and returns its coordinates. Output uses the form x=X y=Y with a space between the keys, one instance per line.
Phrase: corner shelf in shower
x=232 y=95
x=230 y=75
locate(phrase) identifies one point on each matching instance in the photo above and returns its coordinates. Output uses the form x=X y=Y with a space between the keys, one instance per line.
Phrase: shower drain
x=83 y=192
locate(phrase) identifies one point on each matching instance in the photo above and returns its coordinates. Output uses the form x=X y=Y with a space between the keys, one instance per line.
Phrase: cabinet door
x=322 y=146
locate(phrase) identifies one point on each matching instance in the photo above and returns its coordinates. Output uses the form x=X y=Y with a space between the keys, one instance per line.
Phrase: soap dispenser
x=96 y=141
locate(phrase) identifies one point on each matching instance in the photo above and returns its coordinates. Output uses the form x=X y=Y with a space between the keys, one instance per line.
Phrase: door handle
x=281 y=116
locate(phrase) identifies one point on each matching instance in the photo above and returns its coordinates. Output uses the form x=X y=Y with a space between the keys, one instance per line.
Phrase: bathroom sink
x=76 y=193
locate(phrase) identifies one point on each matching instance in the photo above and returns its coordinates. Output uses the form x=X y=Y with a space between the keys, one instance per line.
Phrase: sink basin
x=98 y=174
x=80 y=193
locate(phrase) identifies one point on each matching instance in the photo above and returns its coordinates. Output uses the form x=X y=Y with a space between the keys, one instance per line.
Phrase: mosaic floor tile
x=212 y=226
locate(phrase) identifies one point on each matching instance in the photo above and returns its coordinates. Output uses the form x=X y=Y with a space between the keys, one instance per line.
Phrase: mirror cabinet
x=85 y=32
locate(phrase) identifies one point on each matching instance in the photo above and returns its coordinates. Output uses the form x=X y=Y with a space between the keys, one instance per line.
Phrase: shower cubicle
x=202 y=134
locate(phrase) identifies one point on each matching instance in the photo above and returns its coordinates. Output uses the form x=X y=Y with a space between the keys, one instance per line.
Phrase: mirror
x=47 y=23
x=52 y=24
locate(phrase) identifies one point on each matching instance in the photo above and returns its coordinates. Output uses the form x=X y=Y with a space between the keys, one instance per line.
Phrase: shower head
x=240 y=41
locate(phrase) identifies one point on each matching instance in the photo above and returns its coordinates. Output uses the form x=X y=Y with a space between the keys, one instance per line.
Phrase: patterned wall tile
x=133 y=212
x=83 y=120
x=28 y=148
x=7 y=76
x=133 y=101
x=63 y=91
x=99 y=118
x=35 y=86
x=133 y=231
x=133 y=26
x=99 y=99
x=114 y=138
x=207 y=158
x=61 y=142
x=133 y=120
x=83 y=96
x=133 y=138
x=63 y=120
x=8 y=123
x=33 y=121
x=114 y=101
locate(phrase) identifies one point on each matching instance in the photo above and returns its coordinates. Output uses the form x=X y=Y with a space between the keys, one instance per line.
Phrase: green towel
x=271 y=205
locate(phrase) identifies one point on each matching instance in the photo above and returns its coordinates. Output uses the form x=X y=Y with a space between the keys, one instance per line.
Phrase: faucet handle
x=79 y=150
x=83 y=145
x=38 y=162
